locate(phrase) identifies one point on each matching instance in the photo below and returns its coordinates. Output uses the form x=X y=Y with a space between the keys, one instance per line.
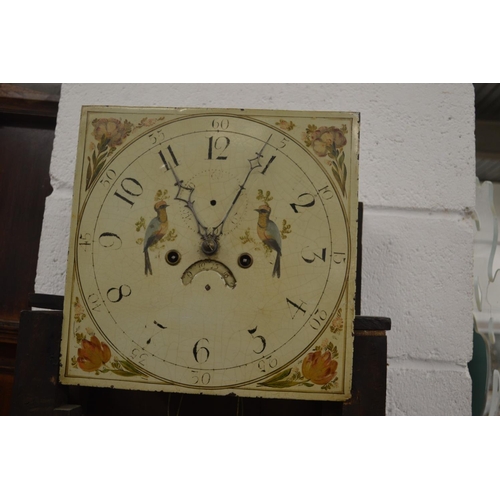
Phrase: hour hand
x=185 y=194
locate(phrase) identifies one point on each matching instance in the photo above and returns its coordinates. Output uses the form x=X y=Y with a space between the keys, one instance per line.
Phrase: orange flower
x=111 y=130
x=319 y=368
x=93 y=354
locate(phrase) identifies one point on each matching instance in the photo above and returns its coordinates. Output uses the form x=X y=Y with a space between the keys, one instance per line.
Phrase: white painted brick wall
x=417 y=176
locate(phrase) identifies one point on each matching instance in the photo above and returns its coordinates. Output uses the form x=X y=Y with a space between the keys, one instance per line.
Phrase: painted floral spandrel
x=93 y=355
x=110 y=133
x=319 y=367
x=329 y=142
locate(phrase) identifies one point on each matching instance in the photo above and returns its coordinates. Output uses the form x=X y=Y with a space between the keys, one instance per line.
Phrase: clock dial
x=213 y=251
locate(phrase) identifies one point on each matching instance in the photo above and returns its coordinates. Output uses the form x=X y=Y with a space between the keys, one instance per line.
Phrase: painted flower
x=337 y=323
x=323 y=138
x=283 y=124
x=319 y=368
x=79 y=310
x=93 y=354
x=111 y=131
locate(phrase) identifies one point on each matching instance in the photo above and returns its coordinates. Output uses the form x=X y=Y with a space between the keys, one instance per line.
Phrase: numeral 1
x=339 y=257
x=268 y=163
x=84 y=237
x=167 y=163
x=217 y=146
x=95 y=304
x=131 y=187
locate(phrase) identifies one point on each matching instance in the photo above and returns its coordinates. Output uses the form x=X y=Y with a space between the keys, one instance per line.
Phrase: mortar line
x=425 y=365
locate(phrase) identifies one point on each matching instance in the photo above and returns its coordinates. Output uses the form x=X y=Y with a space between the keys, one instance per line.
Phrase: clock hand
x=254 y=163
x=181 y=196
x=210 y=239
x=209 y=243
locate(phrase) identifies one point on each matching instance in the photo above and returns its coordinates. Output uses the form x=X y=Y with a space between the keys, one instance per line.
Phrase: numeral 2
x=309 y=260
x=309 y=203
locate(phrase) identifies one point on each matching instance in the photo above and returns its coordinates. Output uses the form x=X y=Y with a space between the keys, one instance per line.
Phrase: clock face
x=213 y=251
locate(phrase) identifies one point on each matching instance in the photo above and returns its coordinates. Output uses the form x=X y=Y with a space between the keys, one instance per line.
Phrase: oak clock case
x=213 y=251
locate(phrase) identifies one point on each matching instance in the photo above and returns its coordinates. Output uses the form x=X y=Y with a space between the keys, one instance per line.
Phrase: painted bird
x=270 y=235
x=156 y=230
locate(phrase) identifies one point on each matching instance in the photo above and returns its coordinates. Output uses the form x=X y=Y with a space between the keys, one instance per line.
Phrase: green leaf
x=89 y=176
x=123 y=373
x=130 y=367
x=102 y=155
x=99 y=166
x=102 y=146
x=281 y=384
x=279 y=376
x=337 y=177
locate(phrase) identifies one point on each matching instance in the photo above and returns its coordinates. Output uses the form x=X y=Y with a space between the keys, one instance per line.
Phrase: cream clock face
x=213 y=251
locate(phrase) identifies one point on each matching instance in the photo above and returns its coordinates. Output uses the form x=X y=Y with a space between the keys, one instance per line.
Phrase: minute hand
x=254 y=163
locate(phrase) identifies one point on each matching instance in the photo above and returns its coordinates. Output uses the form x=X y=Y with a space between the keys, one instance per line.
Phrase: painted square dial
x=213 y=251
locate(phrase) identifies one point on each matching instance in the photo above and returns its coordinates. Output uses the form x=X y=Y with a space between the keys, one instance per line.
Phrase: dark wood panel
x=38 y=99
x=36 y=389
x=372 y=323
x=27 y=122
x=369 y=376
x=6 y=384
x=46 y=301
x=25 y=150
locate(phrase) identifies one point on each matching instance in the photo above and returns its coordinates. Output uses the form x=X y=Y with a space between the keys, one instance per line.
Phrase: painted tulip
x=319 y=368
x=93 y=354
